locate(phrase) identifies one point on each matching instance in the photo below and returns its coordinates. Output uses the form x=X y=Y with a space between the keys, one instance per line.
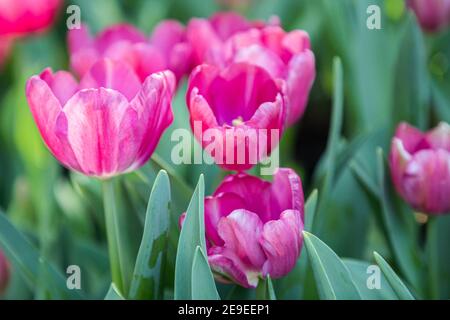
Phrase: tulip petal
x=439 y=137
x=216 y=208
x=412 y=138
x=286 y=193
x=117 y=33
x=426 y=181
x=153 y=107
x=109 y=74
x=97 y=130
x=47 y=113
x=282 y=242
x=299 y=81
x=62 y=84
x=240 y=231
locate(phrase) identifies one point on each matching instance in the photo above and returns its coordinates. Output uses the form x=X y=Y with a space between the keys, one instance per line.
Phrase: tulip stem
x=112 y=232
x=261 y=289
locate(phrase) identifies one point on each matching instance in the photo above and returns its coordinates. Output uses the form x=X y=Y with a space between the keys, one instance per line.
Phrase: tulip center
x=238 y=121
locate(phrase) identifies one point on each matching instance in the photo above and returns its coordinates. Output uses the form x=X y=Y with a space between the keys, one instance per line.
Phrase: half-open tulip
x=21 y=17
x=431 y=14
x=4 y=273
x=237 y=113
x=420 y=167
x=107 y=124
x=165 y=49
x=254 y=227
x=285 y=55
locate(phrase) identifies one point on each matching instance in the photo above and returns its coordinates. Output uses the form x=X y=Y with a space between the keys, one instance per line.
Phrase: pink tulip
x=420 y=167
x=285 y=55
x=107 y=124
x=207 y=36
x=240 y=108
x=432 y=15
x=25 y=16
x=254 y=227
x=165 y=49
x=4 y=273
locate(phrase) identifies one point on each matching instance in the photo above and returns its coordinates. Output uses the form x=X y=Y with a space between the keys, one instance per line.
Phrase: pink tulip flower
x=208 y=36
x=107 y=124
x=4 y=273
x=420 y=167
x=165 y=49
x=432 y=15
x=254 y=227
x=237 y=113
x=25 y=16
x=285 y=55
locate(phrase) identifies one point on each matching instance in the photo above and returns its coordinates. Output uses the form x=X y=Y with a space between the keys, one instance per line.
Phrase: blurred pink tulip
x=240 y=108
x=4 y=273
x=431 y=14
x=165 y=49
x=420 y=167
x=285 y=55
x=107 y=124
x=207 y=36
x=19 y=17
x=254 y=227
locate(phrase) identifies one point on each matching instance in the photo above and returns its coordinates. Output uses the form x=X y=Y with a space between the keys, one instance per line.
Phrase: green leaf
x=333 y=136
x=203 y=285
x=400 y=238
x=265 y=290
x=114 y=293
x=396 y=283
x=333 y=279
x=310 y=209
x=147 y=282
x=438 y=239
x=25 y=259
x=360 y=271
x=192 y=235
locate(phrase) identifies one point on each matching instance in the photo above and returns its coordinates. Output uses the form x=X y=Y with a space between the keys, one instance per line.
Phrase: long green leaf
x=203 y=285
x=192 y=235
x=149 y=267
x=361 y=271
x=394 y=280
x=310 y=209
x=333 y=279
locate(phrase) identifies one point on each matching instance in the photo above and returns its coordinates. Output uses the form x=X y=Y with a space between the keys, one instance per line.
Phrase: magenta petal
x=282 y=242
x=439 y=137
x=154 y=110
x=240 y=231
x=62 y=84
x=116 y=33
x=216 y=208
x=302 y=72
x=167 y=34
x=227 y=24
x=47 y=113
x=412 y=138
x=286 y=193
x=426 y=181
x=228 y=268
x=109 y=74
x=4 y=273
x=94 y=123
x=203 y=39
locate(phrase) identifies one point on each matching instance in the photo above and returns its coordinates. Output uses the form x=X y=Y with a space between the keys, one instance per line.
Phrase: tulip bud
x=420 y=167
x=431 y=14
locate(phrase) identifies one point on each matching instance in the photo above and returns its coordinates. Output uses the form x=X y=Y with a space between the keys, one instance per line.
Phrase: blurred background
x=397 y=73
